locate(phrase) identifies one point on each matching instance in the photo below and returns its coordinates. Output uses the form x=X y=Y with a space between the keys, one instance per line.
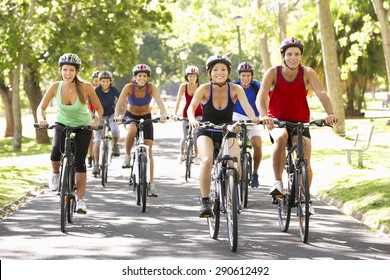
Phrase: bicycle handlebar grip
x=100 y=127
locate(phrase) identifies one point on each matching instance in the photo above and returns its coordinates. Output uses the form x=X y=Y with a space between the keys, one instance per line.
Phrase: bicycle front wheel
x=72 y=194
x=143 y=187
x=63 y=185
x=231 y=204
x=303 y=202
x=245 y=178
x=189 y=158
x=104 y=166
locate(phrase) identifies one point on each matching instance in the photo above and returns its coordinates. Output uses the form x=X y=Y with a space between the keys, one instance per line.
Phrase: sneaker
x=152 y=190
x=54 y=181
x=126 y=162
x=180 y=158
x=311 y=209
x=96 y=170
x=277 y=189
x=115 y=151
x=205 y=210
x=255 y=181
x=81 y=208
x=196 y=160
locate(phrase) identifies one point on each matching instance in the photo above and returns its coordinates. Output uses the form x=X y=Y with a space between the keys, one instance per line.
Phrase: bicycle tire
x=303 y=194
x=104 y=165
x=143 y=187
x=63 y=185
x=231 y=202
x=189 y=158
x=245 y=179
x=72 y=198
x=285 y=203
x=214 y=221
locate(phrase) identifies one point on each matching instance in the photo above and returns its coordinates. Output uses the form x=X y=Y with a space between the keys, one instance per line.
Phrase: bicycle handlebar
x=144 y=121
x=320 y=123
x=71 y=128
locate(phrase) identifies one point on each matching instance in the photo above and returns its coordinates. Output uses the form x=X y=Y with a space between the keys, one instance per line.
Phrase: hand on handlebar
x=163 y=118
x=118 y=119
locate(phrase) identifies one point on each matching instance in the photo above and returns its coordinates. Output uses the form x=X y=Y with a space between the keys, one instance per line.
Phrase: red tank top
x=198 y=111
x=288 y=100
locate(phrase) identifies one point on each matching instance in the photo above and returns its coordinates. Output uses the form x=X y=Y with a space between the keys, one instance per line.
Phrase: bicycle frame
x=105 y=158
x=246 y=162
x=139 y=149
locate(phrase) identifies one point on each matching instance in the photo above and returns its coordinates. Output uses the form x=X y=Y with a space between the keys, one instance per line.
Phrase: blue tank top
x=133 y=100
x=218 y=116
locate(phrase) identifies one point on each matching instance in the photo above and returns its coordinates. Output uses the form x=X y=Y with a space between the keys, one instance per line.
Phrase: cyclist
x=283 y=95
x=188 y=89
x=95 y=83
x=217 y=99
x=71 y=95
x=108 y=95
x=251 y=88
x=138 y=96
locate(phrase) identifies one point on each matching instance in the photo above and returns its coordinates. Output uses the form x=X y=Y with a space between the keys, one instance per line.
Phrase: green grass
x=29 y=147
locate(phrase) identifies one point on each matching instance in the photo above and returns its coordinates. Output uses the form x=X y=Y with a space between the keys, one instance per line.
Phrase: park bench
x=361 y=143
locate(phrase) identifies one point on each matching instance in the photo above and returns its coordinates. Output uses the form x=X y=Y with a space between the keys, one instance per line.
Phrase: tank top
x=133 y=100
x=288 y=100
x=71 y=115
x=214 y=115
x=198 y=111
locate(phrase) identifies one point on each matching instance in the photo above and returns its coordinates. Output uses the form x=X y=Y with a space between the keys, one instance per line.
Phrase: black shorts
x=148 y=127
x=215 y=135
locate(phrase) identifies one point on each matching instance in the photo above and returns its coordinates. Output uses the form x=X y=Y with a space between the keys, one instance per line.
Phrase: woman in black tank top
x=217 y=99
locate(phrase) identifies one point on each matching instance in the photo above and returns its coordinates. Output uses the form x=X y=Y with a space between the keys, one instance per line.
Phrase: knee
x=80 y=167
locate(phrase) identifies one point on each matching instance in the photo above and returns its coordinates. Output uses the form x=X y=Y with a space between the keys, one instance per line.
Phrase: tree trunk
x=15 y=80
x=282 y=20
x=265 y=55
x=34 y=94
x=333 y=81
x=6 y=96
x=383 y=17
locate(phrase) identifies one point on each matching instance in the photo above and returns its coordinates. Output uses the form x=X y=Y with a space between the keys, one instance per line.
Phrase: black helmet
x=70 y=59
x=142 y=68
x=212 y=60
x=291 y=42
x=105 y=75
x=245 y=67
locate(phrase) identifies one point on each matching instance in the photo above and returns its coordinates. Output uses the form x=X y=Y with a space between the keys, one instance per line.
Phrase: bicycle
x=139 y=163
x=245 y=160
x=105 y=150
x=67 y=184
x=297 y=193
x=225 y=194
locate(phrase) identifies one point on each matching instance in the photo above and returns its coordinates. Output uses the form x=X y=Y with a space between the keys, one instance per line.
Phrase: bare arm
x=120 y=105
x=199 y=95
x=156 y=96
x=47 y=97
x=92 y=96
x=262 y=100
x=239 y=92
x=178 y=99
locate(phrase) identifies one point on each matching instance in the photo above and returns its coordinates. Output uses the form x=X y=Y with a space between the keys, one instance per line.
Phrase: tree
x=333 y=80
x=382 y=10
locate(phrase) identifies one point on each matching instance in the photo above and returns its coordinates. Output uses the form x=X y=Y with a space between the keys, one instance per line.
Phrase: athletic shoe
x=311 y=209
x=54 y=181
x=180 y=158
x=90 y=161
x=126 y=162
x=115 y=151
x=152 y=191
x=81 y=208
x=197 y=160
x=205 y=210
x=96 y=170
x=255 y=180
x=277 y=189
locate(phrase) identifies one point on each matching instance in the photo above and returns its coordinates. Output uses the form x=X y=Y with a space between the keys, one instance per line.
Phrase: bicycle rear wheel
x=189 y=158
x=245 y=178
x=143 y=187
x=214 y=221
x=303 y=202
x=231 y=202
x=63 y=185
x=104 y=165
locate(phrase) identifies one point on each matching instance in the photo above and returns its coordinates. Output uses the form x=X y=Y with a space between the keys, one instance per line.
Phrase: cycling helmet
x=291 y=42
x=245 y=67
x=105 y=75
x=192 y=70
x=95 y=74
x=212 y=60
x=142 y=68
x=70 y=59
